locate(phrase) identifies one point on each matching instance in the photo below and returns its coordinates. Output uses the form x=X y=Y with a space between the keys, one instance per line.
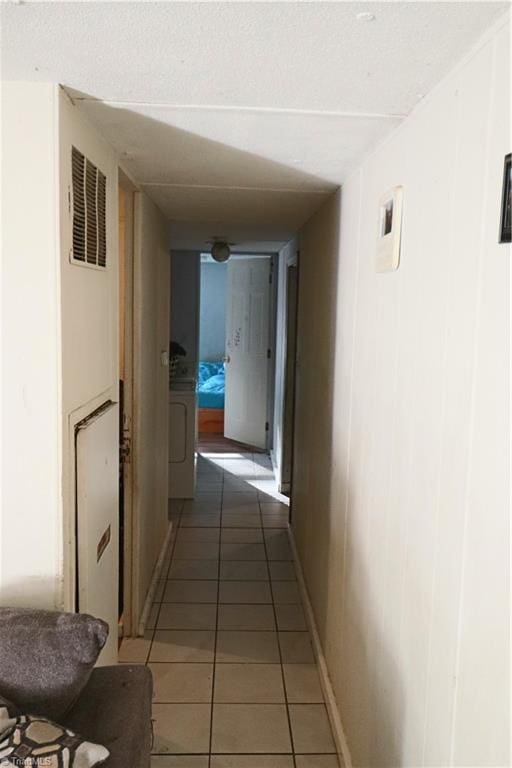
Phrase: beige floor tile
x=237 y=570
x=193 y=569
x=189 y=550
x=277 y=520
x=198 y=534
x=251 y=761
x=200 y=507
x=317 y=761
x=187 y=616
x=232 y=551
x=302 y=684
x=249 y=507
x=296 y=648
x=242 y=535
x=246 y=489
x=135 y=650
x=179 y=761
x=311 y=729
x=193 y=591
x=181 y=728
x=209 y=496
x=183 y=645
x=282 y=571
x=185 y=683
x=159 y=592
x=209 y=478
x=290 y=617
x=209 y=485
x=243 y=498
x=233 y=482
x=250 y=728
x=247 y=647
x=286 y=592
x=251 y=617
x=241 y=520
x=245 y=592
x=198 y=520
x=249 y=683
x=268 y=507
x=277 y=544
x=266 y=494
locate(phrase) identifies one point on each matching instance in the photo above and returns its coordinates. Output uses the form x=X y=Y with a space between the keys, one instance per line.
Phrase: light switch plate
x=389 y=231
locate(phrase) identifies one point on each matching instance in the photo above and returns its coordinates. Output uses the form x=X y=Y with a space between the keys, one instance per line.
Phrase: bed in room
x=210 y=398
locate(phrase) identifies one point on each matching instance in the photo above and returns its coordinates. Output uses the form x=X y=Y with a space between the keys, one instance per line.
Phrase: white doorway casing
x=97 y=521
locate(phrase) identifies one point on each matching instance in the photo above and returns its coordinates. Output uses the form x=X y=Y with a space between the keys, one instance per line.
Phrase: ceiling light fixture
x=220 y=251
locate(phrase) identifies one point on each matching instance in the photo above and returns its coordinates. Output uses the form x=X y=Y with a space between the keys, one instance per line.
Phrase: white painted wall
x=31 y=513
x=212 y=326
x=184 y=321
x=89 y=318
x=59 y=327
x=401 y=500
x=60 y=353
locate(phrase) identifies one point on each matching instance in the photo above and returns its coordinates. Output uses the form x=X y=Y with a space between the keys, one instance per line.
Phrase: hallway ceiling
x=241 y=116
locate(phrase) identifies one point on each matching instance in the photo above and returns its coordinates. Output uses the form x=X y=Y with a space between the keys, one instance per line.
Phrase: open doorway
x=236 y=342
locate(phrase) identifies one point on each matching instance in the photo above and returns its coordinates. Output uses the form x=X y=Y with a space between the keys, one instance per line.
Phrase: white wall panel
x=401 y=494
x=30 y=521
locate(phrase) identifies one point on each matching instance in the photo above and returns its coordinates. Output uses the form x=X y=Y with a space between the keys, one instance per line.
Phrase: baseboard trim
x=157 y=573
x=330 y=699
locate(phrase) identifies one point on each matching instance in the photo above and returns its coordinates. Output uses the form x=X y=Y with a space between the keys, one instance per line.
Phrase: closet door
x=97 y=466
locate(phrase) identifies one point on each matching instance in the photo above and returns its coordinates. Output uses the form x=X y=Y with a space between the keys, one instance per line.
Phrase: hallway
x=228 y=646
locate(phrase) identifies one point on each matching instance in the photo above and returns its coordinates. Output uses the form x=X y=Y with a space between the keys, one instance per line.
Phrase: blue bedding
x=211 y=385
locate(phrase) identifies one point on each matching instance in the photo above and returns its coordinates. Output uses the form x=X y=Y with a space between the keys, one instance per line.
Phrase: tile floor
x=236 y=684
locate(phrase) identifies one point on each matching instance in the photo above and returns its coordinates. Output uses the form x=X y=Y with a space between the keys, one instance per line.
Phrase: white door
x=97 y=454
x=247 y=350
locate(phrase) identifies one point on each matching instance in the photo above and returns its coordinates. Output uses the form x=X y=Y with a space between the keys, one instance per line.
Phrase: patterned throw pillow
x=35 y=742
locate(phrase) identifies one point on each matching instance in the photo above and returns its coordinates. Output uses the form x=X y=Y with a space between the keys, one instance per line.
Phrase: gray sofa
x=47 y=668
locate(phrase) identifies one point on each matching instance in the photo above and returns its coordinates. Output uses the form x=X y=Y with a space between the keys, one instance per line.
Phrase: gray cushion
x=115 y=710
x=11 y=708
x=46 y=658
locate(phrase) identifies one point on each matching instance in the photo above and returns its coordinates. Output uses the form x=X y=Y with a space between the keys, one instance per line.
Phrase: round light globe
x=221 y=251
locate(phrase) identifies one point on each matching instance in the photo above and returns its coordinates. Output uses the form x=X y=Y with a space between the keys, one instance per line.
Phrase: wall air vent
x=89 y=212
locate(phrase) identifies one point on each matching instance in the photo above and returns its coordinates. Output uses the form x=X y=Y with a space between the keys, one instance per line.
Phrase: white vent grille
x=89 y=212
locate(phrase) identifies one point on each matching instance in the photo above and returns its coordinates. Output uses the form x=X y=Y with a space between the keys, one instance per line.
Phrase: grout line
x=173 y=544
x=214 y=670
x=290 y=733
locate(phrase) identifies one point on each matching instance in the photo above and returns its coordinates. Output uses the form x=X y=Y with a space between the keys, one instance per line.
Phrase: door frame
x=292 y=305
x=127 y=196
x=272 y=331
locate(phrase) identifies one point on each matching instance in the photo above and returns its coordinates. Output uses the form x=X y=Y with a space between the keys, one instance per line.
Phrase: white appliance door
x=247 y=345
x=97 y=454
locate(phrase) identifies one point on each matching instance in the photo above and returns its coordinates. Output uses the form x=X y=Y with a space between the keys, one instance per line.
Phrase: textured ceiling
x=244 y=114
